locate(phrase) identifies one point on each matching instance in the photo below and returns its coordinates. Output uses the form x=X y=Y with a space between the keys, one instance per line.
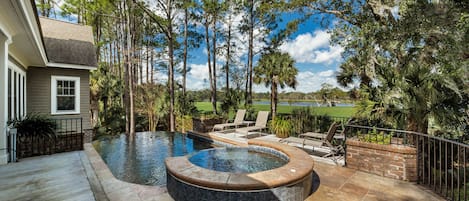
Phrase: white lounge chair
x=261 y=123
x=238 y=121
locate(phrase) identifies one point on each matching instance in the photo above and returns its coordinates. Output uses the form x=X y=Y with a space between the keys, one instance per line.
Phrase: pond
x=303 y=104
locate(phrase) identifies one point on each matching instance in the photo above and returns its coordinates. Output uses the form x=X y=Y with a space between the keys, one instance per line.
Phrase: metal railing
x=314 y=123
x=69 y=125
x=442 y=164
x=68 y=137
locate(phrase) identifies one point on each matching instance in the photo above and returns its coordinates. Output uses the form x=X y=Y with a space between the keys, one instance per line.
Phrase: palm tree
x=275 y=69
x=411 y=77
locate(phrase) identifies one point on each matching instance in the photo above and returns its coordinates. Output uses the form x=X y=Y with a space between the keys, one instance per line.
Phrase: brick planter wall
x=392 y=161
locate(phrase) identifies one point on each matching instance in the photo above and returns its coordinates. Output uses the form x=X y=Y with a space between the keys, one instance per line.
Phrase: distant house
x=44 y=67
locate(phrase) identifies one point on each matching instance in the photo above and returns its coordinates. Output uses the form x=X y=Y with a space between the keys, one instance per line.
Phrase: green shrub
x=302 y=120
x=281 y=127
x=230 y=101
x=251 y=114
x=184 y=123
x=375 y=137
x=35 y=124
x=322 y=123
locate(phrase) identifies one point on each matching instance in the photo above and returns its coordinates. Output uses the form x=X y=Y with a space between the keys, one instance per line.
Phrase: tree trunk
x=130 y=54
x=148 y=64
x=417 y=125
x=246 y=91
x=228 y=56
x=97 y=27
x=214 y=66
x=250 y=50
x=209 y=63
x=151 y=65
x=126 y=69
x=111 y=56
x=119 y=51
x=184 y=62
x=273 y=98
x=172 y=120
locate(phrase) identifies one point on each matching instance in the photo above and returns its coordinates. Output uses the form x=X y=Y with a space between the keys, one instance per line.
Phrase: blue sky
x=316 y=59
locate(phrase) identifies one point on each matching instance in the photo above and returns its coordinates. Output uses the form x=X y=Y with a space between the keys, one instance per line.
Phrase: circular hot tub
x=261 y=171
x=239 y=160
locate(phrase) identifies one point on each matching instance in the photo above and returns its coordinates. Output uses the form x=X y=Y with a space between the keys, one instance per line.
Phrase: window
x=16 y=92
x=10 y=115
x=65 y=94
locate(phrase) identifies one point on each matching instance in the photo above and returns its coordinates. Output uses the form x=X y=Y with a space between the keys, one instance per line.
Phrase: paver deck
x=340 y=183
x=76 y=175
x=55 y=177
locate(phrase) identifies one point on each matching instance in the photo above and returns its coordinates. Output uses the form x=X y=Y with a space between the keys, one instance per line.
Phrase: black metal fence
x=313 y=123
x=69 y=137
x=69 y=125
x=442 y=164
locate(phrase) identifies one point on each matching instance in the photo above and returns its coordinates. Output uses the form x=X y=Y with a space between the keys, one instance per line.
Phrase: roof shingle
x=68 y=43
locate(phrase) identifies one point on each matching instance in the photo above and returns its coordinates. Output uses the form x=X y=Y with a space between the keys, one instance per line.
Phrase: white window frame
x=20 y=109
x=53 y=93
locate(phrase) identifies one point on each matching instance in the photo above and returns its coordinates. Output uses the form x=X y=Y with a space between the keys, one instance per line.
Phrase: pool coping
x=300 y=166
x=116 y=189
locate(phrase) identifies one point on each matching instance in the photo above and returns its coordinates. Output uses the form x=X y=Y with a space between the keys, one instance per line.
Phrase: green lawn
x=331 y=111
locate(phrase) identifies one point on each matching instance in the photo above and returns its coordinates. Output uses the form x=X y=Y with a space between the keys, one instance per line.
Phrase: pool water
x=236 y=160
x=141 y=159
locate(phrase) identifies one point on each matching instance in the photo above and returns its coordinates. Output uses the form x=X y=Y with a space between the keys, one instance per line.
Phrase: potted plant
x=35 y=125
x=281 y=127
x=36 y=135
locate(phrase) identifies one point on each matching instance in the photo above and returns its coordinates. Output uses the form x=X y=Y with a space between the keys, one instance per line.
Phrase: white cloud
x=197 y=77
x=327 y=73
x=309 y=81
x=313 y=48
x=199 y=71
x=328 y=56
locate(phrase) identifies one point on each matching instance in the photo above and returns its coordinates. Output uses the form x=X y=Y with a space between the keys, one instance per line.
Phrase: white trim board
x=72 y=66
x=53 y=94
x=32 y=24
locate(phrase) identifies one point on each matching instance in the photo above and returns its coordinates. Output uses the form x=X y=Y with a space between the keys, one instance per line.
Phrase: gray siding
x=38 y=89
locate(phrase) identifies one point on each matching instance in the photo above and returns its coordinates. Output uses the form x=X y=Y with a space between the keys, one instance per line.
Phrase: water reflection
x=141 y=159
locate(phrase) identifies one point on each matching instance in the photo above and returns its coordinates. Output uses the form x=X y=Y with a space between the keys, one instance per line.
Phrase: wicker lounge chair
x=238 y=121
x=261 y=123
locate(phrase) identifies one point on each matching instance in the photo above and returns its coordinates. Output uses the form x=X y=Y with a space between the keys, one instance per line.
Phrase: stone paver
x=82 y=175
x=55 y=177
x=340 y=183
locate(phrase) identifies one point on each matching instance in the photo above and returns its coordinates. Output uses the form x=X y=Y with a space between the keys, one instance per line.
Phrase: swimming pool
x=141 y=159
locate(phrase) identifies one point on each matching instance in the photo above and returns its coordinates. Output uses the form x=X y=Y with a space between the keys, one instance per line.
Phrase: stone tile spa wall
x=292 y=181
